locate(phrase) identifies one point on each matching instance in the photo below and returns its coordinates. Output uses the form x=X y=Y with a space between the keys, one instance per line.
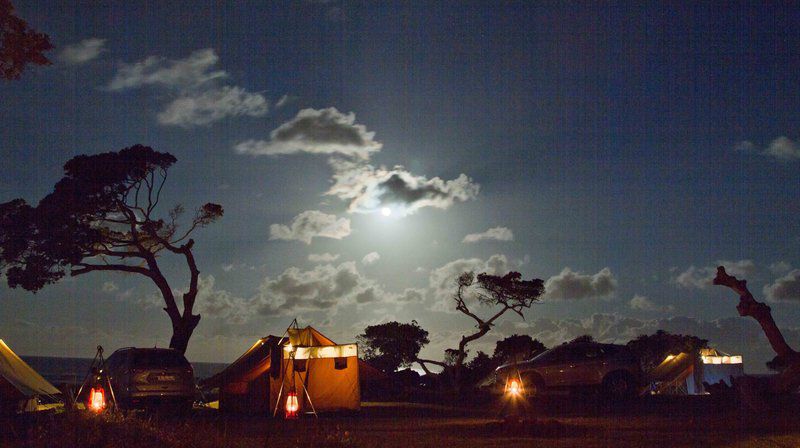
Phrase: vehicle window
x=158 y=358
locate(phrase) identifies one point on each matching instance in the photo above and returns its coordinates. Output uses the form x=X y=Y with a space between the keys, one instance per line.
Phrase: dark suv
x=613 y=367
x=147 y=377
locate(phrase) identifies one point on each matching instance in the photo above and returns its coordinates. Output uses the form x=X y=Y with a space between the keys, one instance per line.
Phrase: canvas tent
x=685 y=373
x=21 y=387
x=324 y=375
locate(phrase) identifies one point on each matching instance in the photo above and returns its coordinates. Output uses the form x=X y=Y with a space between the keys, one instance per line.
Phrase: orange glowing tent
x=323 y=375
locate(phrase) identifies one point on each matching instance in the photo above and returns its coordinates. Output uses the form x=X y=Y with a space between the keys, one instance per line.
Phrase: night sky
x=619 y=152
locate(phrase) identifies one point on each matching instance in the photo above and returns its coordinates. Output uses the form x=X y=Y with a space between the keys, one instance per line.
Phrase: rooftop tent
x=685 y=373
x=20 y=385
x=304 y=361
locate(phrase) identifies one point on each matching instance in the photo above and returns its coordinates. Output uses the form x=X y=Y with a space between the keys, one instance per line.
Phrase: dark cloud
x=784 y=289
x=316 y=131
x=370 y=189
x=570 y=285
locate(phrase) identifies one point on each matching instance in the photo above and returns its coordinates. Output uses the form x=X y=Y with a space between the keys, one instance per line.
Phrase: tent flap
x=21 y=376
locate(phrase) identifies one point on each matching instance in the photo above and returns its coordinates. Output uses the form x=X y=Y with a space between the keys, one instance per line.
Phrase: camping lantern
x=292 y=405
x=514 y=387
x=97 y=399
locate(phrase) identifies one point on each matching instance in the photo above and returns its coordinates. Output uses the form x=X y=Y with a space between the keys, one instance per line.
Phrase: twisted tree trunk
x=789 y=379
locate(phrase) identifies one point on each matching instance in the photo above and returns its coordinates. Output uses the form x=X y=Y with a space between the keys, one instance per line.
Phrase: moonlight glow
x=386 y=211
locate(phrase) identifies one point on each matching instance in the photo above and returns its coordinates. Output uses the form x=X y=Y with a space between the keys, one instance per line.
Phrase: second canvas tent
x=324 y=375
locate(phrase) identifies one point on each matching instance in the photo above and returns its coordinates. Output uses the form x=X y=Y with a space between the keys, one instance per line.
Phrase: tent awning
x=22 y=376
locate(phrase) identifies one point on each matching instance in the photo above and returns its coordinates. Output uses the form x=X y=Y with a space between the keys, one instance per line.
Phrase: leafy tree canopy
x=101 y=217
x=392 y=345
x=19 y=45
x=517 y=348
x=652 y=349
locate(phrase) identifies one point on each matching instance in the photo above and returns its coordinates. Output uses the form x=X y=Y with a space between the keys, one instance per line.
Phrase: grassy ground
x=557 y=422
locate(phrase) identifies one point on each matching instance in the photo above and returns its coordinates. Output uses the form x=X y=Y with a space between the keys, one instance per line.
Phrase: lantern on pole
x=292 y=405
x=97 y=399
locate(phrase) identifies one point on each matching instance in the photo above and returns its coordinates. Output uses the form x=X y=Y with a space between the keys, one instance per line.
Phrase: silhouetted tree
x=652 y=349
x=517 y=348
x=19 y=45
x=508 y=293
x=479 y=368
x=392 y=345
x=787 y=360
x=582 y=339
x=100 y=217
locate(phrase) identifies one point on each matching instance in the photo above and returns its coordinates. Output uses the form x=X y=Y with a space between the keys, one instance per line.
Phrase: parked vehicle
x=612 y=367
x=149 y=377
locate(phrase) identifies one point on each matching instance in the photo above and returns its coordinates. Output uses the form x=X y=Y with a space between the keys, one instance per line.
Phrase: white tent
x=685 y=373
x=20 y=385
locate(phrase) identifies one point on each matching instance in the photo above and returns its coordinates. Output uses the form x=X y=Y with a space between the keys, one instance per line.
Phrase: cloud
x=701 y=278
x=194 y=92
x=570 y=285
x=780 y=267
x=221 y=304
x=323 y=288
x=282 y=101
x=745 y=146
x=493 y=234
x=323 y=258
x=187 y=73
x=785 y=289
x=110 y=287
x=442 y=280
x=316 y=131
x=642 y=303
x=370 y=258
x=310 y=224
x=781 y=148
x=82 y=52
x=369 y=189
x=213 y=105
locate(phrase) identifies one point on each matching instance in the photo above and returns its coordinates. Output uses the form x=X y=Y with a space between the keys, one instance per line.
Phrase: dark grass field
x=557 y=422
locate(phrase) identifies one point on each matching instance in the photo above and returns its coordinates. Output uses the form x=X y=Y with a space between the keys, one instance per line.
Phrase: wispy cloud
x=311 y=224
x=370 y=258
x=493 y=234
x=781 y=148
x=83 y=51
x=643 y=303
x=323 y=257
x=193 y=84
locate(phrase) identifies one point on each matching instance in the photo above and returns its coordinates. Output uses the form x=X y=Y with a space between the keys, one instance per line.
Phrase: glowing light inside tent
x=386 y=211
x=97 y=399
x=722 y=359
x=328 y=351
x=292 y=405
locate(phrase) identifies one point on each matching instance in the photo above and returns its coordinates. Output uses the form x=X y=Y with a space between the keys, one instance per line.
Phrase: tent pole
x=303 y=383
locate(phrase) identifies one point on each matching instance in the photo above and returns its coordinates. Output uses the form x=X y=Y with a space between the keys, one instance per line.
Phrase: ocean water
x=74 y=370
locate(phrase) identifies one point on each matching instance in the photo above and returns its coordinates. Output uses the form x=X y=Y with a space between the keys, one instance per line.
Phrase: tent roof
x=20 y=375
x=259 y=353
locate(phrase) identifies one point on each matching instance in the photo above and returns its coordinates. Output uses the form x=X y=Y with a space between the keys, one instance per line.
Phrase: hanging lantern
x=292 y=405
x=514 y=387
x=97 y=399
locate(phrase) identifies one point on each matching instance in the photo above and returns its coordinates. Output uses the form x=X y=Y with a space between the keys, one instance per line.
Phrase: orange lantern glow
x=292 y=405
x=514 y=387
x=97 y=399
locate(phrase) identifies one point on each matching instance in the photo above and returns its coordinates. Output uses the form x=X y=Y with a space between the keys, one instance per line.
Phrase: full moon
x=386 y=211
